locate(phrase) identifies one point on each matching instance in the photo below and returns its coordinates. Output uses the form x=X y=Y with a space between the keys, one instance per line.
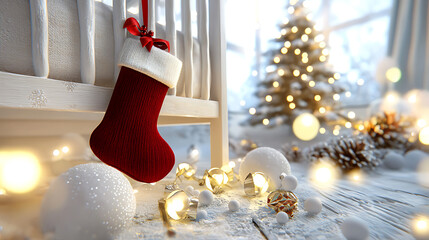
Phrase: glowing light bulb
x=281 y=72
x=420 y=227
x=360 y=82
x=242 y=103
x=351 y=115
x=266 y=121
x=285 y=21
x=268 y=98
x=186 y=170
x=307 y=30
x=305 y=60
x=276 y=84
x=311 y=83
x=254 y=73
x=393 y=74
x=322 y=58
x=297 y=51
x=294 y=29
x=322 y=44
x=309 y=68
x=336 y=96
x=283 y=50
x=322 y=130
x=306 y=126
x=322 y=174
x=361 y=127
x=304 y=77
x=304 y=38
x=331 y=80
x=283 y=32
x=319 y=38
x=304 y=55
x=322 y=110
x=65 y=149
x=325 y=51
x=337 y=76
x=252 y=111
x=317 y=98
x=356 y=176
x=421 y=123
x=287 y=44
x=289 y=98
x=56 y=152
x=296 y=72
x=291 y=10
x=348 y=94
x=215 y=179
x=336 y=132
x=276 y=59
x=348 y=124
x=19 y=171
x=292 y=105
x=424 y=135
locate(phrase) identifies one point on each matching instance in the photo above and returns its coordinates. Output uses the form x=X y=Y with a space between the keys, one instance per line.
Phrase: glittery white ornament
x=289 y=183
x=313 y=205
x=201 y=214
x=282 y=218
x=89 y=201
x=354 y=229
x=205 y=198
x=234 y=205
x=268 y=161
x=394 y=161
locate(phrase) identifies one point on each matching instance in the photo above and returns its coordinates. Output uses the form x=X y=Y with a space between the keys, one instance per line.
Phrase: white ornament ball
x=313 y=205
x=413 y=159
x=268 y=161
x=354 y=229
x=89 y=201
x=234 y=205
x=205 y=198
x=394 y=161
x=289 y=183
x=201 y=214
x=282 y=218
x=189 y=190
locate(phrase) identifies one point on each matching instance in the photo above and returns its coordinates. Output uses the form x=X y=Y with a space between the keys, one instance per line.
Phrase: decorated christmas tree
x=298 y=78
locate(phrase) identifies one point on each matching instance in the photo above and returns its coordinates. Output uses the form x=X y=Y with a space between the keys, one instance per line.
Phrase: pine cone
x=348 y=152
x=292 y=152
x=388 y=131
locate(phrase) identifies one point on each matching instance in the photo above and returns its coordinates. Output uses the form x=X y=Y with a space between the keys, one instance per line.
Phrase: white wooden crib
x=35 y=104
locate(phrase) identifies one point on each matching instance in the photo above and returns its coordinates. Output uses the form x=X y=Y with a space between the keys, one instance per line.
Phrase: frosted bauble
x=268 y=161
x=354 y=229
x=89 y=201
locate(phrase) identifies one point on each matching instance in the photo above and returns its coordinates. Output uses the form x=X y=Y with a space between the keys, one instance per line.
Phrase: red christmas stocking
x=127 y=138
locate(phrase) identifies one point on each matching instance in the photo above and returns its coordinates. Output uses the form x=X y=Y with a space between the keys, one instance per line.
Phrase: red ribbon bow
x=146 y=37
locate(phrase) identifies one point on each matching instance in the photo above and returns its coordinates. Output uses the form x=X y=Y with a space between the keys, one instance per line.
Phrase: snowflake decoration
x=70 y=86
x=38 y=98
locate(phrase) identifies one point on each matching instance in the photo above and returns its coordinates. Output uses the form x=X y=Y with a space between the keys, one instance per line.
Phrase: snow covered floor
x=386 y=201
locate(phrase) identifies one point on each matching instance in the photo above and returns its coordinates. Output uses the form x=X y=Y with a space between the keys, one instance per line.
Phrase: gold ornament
x=186 y=170
x=178 y=205
x=255 y=184
x=283 y=201
x=214 y=179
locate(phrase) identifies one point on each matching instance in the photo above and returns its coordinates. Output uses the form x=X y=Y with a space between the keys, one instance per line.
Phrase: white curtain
x=409 y=43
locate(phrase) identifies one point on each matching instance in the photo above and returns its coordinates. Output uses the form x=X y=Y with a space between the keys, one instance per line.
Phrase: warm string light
x=266 y=121
x=304 y=38
x=297 y=51
x=291 y=10
x=283 y=50
x=424 y=135
x=348 y=124
x=287 y=44
x=331 y=80
x=322 y=110
x=323 y=175
x=322 y=130
x=322 y=58
x=309 y=68
x=19 y=171
x=276 y=84
x=393 y=74
x=348 y=94
x=252 y=111
x=304 y=77
x=255 y=184
x=307 y=30
x=351 y=115
x=281 y=72
x=289 y=98
x=276 y=59
x=420 y=226
x=294 y=29
x=283 y=32
x=268 y=98
x=311 y=83
x=242 y=103
x=306 y=126
x=317 y=98
x=360 y=82
x=322 y=44
x=292 y=106
x=336 y=96
x=296 y=72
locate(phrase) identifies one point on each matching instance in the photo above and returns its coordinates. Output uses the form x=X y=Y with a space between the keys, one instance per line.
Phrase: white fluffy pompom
x=189 y=190
x=354 y=229
x=268 y=161
x=289 y=183
x=313 y=205
x=282 y=218
x=234 y=205
x=89 y=201
x=394 y=161
x=201 y=214
x=205 y=198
